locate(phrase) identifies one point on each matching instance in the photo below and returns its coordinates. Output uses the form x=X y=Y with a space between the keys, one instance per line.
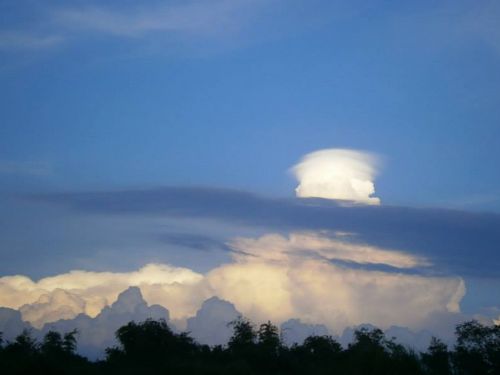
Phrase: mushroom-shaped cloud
x=338 y=174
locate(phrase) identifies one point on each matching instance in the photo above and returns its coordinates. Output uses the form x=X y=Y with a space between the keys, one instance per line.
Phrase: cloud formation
x=278 y=283
x=67 y=295
x=35 y=168
x=276 y=247
x=456 y=241
x=337 y=174
x=15 y=40
x=192 y=17
x=95 y=334
x=272 y=277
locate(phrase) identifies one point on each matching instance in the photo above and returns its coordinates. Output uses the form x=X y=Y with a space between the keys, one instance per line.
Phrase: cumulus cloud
x=274 y=282
x=337 y=174
x=271 y=277
x=211 y=324
x=56 y=305
x=75 y=292
x=95 y=334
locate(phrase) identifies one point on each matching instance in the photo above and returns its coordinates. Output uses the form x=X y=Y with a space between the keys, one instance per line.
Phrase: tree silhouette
x=244 y=336
x=321 y=347
x=151 y=347
x=24 y=344
x=437 y=358
x=69 y=341
x=477 y=350
x=268 y=338
x=52 y=344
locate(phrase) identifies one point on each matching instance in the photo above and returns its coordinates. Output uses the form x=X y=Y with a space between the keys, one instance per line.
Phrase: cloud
x=274 y=282
x=34 y=168
x=337 y=174
x=59 y=304
x=76 y=292
x=95 y=334
x=15 y=40
x=282 y=285
x=455 y=241
x=194 y=241
x=11 y=323
x=293 y=331
x=189 y=17
x=319 y=245
x=211 y=324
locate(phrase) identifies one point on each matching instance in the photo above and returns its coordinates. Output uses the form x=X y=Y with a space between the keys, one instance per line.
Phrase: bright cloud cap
x=337 y=174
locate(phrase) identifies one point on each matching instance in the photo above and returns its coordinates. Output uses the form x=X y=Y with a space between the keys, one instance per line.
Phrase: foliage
x=151 y=347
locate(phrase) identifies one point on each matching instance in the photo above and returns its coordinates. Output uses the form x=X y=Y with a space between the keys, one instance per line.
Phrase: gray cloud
x=194 y=241
x=457 y=241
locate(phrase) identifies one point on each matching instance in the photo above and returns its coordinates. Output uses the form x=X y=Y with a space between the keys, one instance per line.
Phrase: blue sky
x=414 y=83
x=140 y=95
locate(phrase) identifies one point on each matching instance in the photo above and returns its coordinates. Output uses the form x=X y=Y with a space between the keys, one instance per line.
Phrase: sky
x=337 y=150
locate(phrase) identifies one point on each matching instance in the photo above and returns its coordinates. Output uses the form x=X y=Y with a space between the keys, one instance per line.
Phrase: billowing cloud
x=59 y=304
x=212 y=323
x=271 y=277
x=67 y=295
x=337 y=174
x=276 y=282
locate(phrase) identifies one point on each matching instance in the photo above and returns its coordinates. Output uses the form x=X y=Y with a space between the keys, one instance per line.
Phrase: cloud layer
x=337 y=174
x=458 y=242
x=272 y=277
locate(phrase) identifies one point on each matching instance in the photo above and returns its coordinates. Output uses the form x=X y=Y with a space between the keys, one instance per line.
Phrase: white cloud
x=40 y=301
x=337 y=174
x=314 y=244
x=59 y=304
x=279 y=279
x=282 y=285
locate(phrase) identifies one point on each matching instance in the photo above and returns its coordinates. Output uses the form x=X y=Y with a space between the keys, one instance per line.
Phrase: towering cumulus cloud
x=317 y=277
x=337 y=174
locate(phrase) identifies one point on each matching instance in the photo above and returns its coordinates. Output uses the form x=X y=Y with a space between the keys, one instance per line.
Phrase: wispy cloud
x=193 y=17
x=52 y=24
x=14 y=40
x=34 y=168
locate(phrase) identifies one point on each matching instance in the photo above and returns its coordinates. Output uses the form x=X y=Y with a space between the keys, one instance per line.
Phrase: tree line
x=151 y=347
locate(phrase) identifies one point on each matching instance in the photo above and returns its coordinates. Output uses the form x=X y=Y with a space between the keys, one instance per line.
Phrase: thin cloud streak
x=34 y=168
x=193 y=17
x=25 y=41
